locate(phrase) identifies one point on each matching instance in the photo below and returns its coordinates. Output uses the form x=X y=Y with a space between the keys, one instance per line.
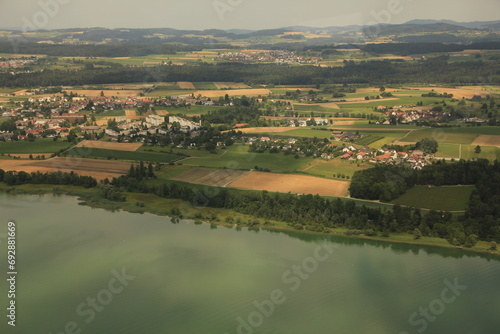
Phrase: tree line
x=91 y=50
x=432 y=70
x=316 y=213
x=14 y=178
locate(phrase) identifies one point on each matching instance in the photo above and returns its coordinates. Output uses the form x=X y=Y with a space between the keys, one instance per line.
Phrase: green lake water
x=85 y=270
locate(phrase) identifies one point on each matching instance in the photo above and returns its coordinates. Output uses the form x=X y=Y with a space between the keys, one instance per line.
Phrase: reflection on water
x=204 y=278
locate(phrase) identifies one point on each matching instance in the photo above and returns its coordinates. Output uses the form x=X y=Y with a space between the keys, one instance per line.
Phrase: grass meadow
x=238 y=157
x=446 y=198
x=42 y=145
x=124 y=155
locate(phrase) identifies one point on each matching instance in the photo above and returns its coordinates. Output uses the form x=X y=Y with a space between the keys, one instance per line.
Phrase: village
x=278 y=56
x=70 y=116
x=7 y=63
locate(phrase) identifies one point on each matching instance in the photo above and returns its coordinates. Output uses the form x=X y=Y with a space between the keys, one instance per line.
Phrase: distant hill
x=415 y=31
x=493 y=26
x=475 y=24
x=397 y=29
x=239 y=31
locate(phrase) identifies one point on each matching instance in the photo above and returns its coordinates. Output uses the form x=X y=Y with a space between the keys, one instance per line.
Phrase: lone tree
x=417 y=234
x=477 y=149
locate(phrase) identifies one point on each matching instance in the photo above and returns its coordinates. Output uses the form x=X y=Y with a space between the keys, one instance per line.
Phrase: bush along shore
x=135 y=192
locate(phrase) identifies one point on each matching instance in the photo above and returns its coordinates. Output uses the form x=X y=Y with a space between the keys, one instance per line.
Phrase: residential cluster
x=56 y=115
x=284 y=57
x=396 y=115
x=17 y=62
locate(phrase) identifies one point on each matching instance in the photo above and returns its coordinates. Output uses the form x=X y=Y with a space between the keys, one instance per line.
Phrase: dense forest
x=483 y=214
x=387 y=182
x=432 y=70
x=234 y=115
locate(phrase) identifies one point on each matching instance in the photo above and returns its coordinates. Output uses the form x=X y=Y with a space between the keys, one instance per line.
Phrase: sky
x=235 y=14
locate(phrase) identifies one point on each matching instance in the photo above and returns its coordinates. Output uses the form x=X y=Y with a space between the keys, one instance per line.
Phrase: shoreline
x=88 y=197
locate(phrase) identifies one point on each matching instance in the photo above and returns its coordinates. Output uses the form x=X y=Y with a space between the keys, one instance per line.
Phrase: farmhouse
x=346 y=155
x=361 y=156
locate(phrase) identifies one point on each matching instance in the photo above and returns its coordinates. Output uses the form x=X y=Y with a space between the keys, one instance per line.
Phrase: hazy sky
x=242 y=14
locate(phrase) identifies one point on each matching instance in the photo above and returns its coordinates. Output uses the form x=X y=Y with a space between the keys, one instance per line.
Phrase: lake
x=86 y=270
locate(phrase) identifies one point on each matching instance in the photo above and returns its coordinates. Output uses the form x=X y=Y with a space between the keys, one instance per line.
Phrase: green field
x=329 y=168
x=198 y=153
x=370 y=139
x=441 y=136
x=448 y=150
x=363 y=124
x=478 y=130
x=238 y=157
x=168 y=172
x=487 y=152
x=37 y=146
x=204 y=85
x=124 y=155
x=396 y=100
x=8 y=90
x=446 y=198
x=170 y=92
x=397 y=133
x=314 y=107
x=305 y=132
x=382 y=137
x=382 y=142
x=109 y=113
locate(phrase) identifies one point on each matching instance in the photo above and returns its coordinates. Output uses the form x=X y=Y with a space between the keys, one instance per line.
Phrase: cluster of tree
x=483 y=214
x=428 y=145
x=383 y=182
x=305 y=146
x=112 y=193
x=8 y=126
x=432 y=70
x=338 y=90
x=387 y=182
x=234 y=115
x=434 y=94
x=13 y=178
x=141 y=172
